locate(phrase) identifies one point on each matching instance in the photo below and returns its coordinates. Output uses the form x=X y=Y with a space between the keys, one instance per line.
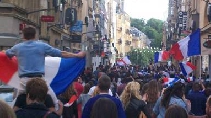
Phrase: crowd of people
x=106 y=92
x=115 y=92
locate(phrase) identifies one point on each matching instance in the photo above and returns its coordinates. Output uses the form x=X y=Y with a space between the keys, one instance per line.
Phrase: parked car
x=6 y=94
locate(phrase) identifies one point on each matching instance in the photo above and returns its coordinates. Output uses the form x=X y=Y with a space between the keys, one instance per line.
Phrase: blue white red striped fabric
x=168 y=82
x=186 y=67
x=120 y=62
x=189 y=46
x=124 y=61
x=161 y=56
x=59 y=72
x=190 y=79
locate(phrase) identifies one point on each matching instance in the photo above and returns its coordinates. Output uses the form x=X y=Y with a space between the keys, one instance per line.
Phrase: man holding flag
x=31 y=57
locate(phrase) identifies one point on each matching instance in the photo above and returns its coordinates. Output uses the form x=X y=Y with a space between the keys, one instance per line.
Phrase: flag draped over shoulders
x=59 y=72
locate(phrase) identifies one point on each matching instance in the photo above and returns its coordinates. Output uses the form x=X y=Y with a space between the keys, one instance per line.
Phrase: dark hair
x=177 y=89
x=86 y=88
x=153 y=91
x=104 y=108
x=144 y=88
x=37 y=89
x=196 y=86
x=101 y=74
x=104 y=83
x=175 y=111
x=29 y=33
x=91 y=83
x=69 y=92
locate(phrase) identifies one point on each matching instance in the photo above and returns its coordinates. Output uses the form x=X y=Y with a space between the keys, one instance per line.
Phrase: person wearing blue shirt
x=197 y=99
x=31 y=55
x=104 y=83
x=172 y=95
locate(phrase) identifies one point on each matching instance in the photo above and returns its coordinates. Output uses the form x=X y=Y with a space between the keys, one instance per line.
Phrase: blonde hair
x=6 y=111
x=131 y=91
x=208 y=104
x=209 y=101
x=96 y=91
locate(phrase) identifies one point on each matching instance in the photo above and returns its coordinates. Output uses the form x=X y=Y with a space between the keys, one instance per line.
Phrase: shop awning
x=7 y=39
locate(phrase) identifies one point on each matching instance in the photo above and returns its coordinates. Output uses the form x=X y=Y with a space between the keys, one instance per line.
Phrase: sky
x=147 y=9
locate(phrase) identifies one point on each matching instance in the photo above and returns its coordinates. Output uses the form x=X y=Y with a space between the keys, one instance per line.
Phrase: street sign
x=183 y=20
x=47 y=18
x=77 y=27
x=22 y=26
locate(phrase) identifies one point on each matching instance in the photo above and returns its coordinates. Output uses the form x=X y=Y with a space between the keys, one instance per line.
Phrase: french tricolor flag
x=59 y=72
x=190 y=79
x=124 y=61
x=168 y=82
x=161 y=56
x=120 y=62
x=187 y=47
x=186 y=67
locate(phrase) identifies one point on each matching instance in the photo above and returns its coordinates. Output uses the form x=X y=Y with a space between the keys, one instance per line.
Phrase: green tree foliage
x=138 y=23
x=155 y=24
x=153 y=28
x=141 y=56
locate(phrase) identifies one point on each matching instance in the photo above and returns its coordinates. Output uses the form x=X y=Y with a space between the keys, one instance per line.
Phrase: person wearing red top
x=79 y=89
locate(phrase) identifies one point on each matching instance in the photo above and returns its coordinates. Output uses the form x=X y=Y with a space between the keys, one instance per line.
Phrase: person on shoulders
x=31 y=49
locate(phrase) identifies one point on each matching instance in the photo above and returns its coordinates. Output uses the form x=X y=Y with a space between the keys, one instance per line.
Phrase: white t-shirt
x=91 y=91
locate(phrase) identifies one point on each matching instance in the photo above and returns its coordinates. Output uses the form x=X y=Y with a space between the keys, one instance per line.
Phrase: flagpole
x=200 y=65
x=192 y=61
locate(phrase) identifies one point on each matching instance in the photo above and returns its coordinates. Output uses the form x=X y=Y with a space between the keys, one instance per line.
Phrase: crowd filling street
x=110 y=91
x=117 y=92
x=90 y=59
